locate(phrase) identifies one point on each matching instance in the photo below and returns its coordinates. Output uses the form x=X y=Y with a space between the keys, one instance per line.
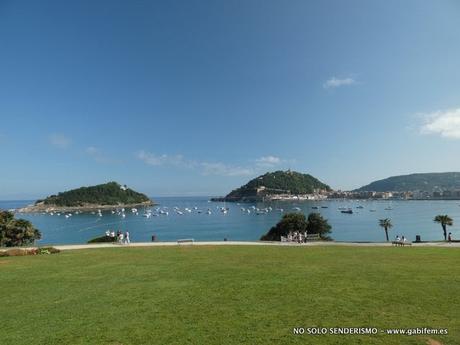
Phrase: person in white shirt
x=127 y=241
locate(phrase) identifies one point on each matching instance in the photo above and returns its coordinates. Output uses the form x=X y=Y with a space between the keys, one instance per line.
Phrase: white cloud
x=99 y=156
x=158 y=160
x=334 y=82
x=92 y=151
x=210 y=168
x=268 y=161
x=225 y=170
x=445 y=123
x=60 y=141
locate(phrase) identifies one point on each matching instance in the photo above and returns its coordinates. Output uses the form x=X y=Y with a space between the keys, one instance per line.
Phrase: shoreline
x=86 y=208
x=238 y=243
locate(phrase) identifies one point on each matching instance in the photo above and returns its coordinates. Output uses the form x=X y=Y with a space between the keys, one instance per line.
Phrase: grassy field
x=228 y=295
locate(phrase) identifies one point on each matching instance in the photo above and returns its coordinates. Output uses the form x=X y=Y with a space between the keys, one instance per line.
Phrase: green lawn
x=228 y=295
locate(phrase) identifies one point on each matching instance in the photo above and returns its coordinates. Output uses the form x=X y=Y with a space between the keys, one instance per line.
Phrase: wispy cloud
x=60 y=141
x=334 y=82
x=99 y=156
x=268 y=161
x=222 y=169
x=158 y=160
x=445 y=123
x=210 y=168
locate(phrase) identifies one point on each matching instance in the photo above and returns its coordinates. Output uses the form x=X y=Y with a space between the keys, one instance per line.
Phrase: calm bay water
x=409 y=218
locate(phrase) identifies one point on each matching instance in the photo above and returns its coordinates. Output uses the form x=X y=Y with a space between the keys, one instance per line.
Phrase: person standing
x=449 y=237
x=127 y=241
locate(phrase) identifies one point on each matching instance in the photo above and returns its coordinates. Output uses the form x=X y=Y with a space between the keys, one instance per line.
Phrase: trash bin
x=417 y=238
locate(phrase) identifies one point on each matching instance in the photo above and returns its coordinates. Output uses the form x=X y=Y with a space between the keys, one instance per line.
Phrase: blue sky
x=197 y=97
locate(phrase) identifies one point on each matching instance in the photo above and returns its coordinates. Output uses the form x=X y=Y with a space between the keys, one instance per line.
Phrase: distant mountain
x=278 y=182
x=106 y=195
x=423 y=182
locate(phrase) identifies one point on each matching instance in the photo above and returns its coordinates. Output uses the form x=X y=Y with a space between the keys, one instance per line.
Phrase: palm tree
x=386 y=224
x=445 y=221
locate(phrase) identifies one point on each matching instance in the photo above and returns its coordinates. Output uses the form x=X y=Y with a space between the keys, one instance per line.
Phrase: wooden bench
x=401 y=243
x=313 y=237
x=186 y=240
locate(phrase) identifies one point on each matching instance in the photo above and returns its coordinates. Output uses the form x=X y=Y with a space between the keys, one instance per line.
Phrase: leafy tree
x=386 y=224
x=445 y=221
x=315 y=224
x=16 y=232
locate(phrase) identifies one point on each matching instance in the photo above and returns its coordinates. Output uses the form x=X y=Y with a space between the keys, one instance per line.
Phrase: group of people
x=121 y=238
x=295 y=236
x=400 y=240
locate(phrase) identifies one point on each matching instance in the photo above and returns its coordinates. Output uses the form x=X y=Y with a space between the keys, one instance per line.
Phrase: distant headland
x=291 y=185
x=103 y=196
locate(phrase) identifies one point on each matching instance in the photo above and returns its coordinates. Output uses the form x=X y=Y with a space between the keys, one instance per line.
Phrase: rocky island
x=279 y=185
x=100 y=197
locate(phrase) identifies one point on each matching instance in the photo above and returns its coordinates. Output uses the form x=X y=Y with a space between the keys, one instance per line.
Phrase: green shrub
x=31 y=251
x=16 y=232
x=103 y=239
x=50 y=250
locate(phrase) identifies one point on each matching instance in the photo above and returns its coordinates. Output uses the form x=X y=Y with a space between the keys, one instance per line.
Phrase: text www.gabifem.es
x=368 y=331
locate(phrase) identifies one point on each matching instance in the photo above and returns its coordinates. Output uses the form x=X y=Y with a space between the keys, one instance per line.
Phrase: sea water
x=409 y=218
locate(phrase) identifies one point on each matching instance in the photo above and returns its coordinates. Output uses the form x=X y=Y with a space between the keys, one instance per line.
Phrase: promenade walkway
x=255 y=243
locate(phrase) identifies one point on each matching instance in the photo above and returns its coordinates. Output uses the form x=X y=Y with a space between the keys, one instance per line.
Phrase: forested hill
x=423 y=182
x=110 y=193
x=278 y=182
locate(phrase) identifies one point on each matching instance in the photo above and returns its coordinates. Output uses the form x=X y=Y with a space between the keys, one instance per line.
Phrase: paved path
x=246 y=243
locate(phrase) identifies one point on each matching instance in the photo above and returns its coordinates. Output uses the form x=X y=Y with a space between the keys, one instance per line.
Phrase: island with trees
x=277 y=185
x=103 y=196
